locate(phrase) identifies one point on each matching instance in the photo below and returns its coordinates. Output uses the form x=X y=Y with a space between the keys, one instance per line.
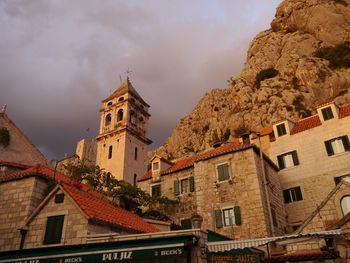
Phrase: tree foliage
x=265 y=74
x=338 y=56
x=106 y=184
x=4 y=136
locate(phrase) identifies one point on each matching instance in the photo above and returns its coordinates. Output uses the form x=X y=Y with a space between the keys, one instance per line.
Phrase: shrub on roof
x=4 y=136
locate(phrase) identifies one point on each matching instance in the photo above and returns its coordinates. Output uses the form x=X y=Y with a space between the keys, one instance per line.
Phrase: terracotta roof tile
x=101 y=210
x=306 y=124
x=344 y=111
x=187 y=162
x=95 y=205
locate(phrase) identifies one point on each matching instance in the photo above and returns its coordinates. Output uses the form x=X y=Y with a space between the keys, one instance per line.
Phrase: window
x=135 y=154
x=108 y=119
x=337 y=145
x=110 y=152
x=281 y=129
x=156 y=190
x=121 y=99
x=53 y=232
x=109 y=103
x=183 y=186
x=155 y=166
x=59 y=198
x=327 y=113
x=289 y=159
x=186 y=223
x=345 y=204
x=292 y=195
x=223 y=172
x=338 y=178
x=131 y=117
x=120 y=114
x=228 y=217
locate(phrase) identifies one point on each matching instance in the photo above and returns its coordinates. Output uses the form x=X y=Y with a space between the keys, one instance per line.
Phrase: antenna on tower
x=120 y=78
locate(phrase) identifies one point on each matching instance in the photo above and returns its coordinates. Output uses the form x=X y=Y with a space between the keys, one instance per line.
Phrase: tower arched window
x=135 y=153
x=110 y=152
x=121 y=99
x=132 y=115
x=345 y=204
x=108 y=119
x=109 y=103
x=120 y=115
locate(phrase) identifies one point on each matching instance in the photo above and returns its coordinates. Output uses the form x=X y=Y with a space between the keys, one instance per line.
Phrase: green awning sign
x=105 y=252
x=102 y=256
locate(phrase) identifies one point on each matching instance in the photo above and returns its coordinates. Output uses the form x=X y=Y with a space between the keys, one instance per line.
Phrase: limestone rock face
x=303 y=81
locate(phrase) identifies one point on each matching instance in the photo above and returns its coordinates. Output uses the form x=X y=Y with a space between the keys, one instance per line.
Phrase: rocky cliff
x=303 y=60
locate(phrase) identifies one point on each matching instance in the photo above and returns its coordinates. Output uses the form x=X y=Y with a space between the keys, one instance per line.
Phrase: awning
x=240 y=244
x=102 y=252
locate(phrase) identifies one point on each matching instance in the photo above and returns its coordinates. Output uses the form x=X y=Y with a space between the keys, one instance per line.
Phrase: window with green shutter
x=176 y=187
x=53 y=232
x=223 y=172
x=228 y=217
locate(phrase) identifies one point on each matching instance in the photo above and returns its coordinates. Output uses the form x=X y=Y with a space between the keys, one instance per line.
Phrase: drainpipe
x=23 y=231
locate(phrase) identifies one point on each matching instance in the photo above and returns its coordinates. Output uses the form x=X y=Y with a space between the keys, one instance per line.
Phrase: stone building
x=41 y=207
x=122 y=140
x=18 y=148
x=226 y=186
x=312 y=153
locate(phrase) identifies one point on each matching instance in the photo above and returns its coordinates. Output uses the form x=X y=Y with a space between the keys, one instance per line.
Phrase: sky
x=60 y=58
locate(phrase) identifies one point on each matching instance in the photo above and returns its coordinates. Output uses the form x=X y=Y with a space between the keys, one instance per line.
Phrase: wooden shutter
x=192 y=188
x=176 y=187
x=286 y=196
x=346 y=142
x=218 y=218
x=280 y=161
x=237 y=212
x=329 y=148
x=295 y=158
x=53 y=231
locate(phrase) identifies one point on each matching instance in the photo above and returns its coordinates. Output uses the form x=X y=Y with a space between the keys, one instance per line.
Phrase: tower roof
x=124 y=88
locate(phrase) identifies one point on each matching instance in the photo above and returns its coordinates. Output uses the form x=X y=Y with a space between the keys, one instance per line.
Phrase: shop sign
x=232 y=258
x=109 y=257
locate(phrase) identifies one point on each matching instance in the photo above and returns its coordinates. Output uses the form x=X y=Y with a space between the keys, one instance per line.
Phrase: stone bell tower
x=122 y=141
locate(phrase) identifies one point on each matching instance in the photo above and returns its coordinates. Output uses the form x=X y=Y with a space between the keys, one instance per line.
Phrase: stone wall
x=316 y=171
x=20 y=149
x=244 y=189
x=17 y=200
x=74 y=226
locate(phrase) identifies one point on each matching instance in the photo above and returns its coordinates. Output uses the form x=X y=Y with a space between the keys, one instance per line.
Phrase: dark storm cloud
x=59 y=59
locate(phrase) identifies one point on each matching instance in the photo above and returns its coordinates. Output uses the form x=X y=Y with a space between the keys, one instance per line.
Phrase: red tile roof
x=344 y=111
x=95 y=205
x=188 y=162
x=14 y=164
x=306 y=124
x=102 y=211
